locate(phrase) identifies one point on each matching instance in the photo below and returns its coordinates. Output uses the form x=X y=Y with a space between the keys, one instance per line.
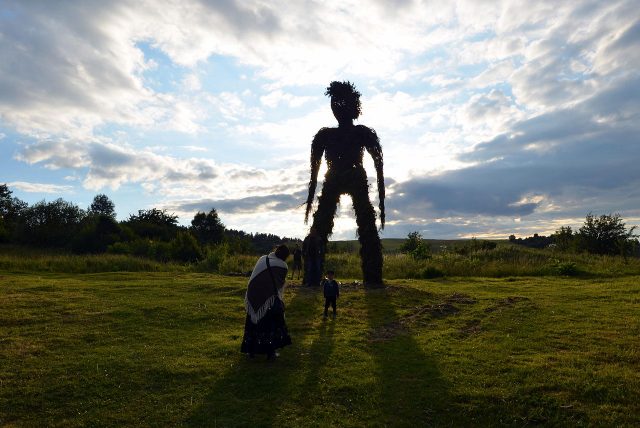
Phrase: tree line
x=606 y=234
x=152 y=233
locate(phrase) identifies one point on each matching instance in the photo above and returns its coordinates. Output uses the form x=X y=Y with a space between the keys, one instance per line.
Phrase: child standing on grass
x=331 y=292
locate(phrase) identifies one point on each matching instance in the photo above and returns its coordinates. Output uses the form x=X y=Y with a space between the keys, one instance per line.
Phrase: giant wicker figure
x=343 y=148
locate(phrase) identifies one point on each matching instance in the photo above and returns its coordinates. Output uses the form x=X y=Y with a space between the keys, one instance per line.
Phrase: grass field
x=161 y=348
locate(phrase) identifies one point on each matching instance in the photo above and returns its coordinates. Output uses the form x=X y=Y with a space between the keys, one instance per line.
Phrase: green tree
x=238 y=244
x=11 y=209
x=208 y=228
x=153 y=224
x=606 y=234
x=421 y=252
x=416 y=246
x=102 y=205
x=412 y=242
x=185 y=248
x=96 y=233
x=564 y=238
x=50 y=223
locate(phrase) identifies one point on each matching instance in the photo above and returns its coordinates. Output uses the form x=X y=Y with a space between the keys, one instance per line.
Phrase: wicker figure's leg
x=370 y=247
x=323 y=217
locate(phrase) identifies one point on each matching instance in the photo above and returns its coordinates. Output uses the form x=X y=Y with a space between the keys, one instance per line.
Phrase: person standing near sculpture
x=297 y=261
x=343 y=148
x=312 y=251
x=265 y=329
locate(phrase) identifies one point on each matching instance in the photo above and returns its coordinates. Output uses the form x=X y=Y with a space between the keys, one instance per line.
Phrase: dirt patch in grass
x=464 y=299
x=439 y=310
x=421 y=315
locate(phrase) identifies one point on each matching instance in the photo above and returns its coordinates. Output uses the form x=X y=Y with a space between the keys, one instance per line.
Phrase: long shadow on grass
x=320 y=351
x=252 y=392
x=412 y=391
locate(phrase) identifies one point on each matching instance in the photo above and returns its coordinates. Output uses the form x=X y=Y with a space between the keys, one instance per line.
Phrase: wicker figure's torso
x=343 y=149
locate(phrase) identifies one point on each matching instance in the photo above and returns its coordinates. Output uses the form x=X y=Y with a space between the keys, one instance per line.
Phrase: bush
x=414 y=239
x=566 y=268
x=416 y=247
x=237 y=263
x=96 y=233
x=185 y=248
x=432 y=272
x=421 y=252
x=473 y=246
x=142 y=248
x=214 y=258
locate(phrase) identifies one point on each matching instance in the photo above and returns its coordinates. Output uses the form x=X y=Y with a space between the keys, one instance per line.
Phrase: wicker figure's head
x=345 y=101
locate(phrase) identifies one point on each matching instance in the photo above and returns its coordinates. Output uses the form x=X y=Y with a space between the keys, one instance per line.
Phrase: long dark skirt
x=265 y=337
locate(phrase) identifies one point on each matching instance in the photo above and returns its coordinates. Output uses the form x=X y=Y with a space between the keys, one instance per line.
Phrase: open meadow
x=162 y=349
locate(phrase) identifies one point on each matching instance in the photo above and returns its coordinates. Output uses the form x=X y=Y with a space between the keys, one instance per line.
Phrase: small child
x=331 y=292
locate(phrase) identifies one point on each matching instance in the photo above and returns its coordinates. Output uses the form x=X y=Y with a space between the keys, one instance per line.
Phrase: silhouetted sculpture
x=343 y=148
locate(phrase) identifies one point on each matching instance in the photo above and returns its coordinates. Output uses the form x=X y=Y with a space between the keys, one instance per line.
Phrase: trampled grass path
x=161 y=349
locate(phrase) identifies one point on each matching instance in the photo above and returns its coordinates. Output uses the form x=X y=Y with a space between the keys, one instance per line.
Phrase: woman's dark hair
x=282 y=252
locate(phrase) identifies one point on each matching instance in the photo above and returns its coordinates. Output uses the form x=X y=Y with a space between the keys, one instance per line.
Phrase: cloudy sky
x=495 y=117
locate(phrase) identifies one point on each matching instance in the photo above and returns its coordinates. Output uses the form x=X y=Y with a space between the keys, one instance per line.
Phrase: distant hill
x=392 y=245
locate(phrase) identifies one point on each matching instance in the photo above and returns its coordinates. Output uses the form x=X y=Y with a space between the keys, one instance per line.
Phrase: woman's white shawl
x=260 y=294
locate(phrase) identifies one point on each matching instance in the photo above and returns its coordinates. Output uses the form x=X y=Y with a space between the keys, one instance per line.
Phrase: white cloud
x=395 y=111
x=111 y=165
x=277 y=97
x=39 y=187
x=192 y=82
x=489 y=114
x=292 y=135
x=195 y=148
x=496 y=73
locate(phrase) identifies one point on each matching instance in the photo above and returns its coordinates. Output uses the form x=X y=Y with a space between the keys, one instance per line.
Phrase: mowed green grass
x=162 y=349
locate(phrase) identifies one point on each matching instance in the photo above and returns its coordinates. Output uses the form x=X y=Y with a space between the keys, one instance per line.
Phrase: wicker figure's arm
x=317 y=149
x=375 y=150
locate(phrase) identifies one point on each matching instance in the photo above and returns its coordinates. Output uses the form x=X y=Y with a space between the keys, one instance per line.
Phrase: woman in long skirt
x=265 y=329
